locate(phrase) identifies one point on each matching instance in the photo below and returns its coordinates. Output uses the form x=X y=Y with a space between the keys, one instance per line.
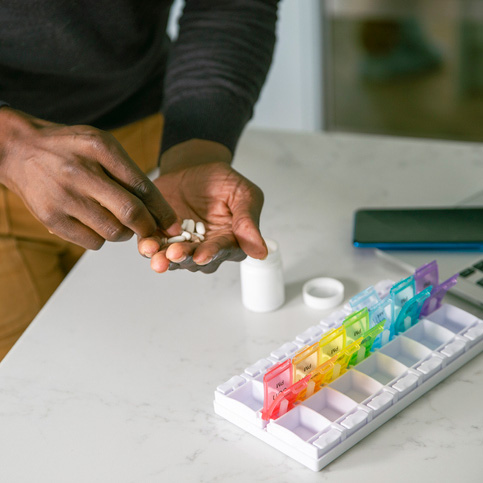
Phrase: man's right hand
x=79 y=182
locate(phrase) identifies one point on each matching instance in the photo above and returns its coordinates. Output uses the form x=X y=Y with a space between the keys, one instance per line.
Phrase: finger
x=190 y=265
x=74 y=231
x=217 y=247
x=249 y=237
x=211 y=267
x=126 y=207
x=178 y=252
x=100 y=220
x=218 y=260
x=159 y=262
x=125 y=172
x=186 y=264
x=147 y=247
x=246 y=217
x=234 y=255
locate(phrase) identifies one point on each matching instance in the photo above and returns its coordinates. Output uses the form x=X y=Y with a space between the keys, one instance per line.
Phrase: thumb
x=245 y=225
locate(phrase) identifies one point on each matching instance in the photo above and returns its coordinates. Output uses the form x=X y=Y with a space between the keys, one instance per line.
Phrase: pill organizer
x=318 y=429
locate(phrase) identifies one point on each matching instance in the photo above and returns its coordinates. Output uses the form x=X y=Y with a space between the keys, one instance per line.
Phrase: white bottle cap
x=323 y=293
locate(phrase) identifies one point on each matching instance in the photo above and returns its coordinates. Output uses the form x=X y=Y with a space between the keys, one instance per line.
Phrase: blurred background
x=397 y=67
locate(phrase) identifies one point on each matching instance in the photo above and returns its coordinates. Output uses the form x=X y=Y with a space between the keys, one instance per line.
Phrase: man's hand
x=79 y=182
x=227 y=203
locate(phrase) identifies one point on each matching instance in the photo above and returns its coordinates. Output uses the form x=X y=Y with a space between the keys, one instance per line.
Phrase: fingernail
x=203 y=261
x=148 y=254
x=148 y=247
x=178 y=260
x=174 y=230
x=266 y=251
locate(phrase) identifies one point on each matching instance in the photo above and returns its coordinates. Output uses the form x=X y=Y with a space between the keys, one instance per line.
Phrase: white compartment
x=355 y=420
x=406 y=351
x=475 y=334
x=335 y=318
x=382 y=368
x=429 y=334
x=381 y=401
x=356 y=385
x=330 y=403
x=301 y=421
x=250 y=395
x=452 y=318
x=310 y=335
x=454 y=349
x=328 y=439
x=408 y=382
x=231 y=384
x=430 y=366
x=260 y=367
x=286 y=350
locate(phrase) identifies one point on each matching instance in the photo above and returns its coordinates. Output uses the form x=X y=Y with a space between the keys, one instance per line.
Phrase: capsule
x=200 y=228
x=176 y=239
x=190 y=226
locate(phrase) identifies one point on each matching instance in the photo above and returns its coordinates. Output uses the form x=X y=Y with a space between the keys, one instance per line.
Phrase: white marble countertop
x=114 y=380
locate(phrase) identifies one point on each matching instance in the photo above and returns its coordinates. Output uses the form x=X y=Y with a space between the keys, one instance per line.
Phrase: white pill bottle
x=262 y=284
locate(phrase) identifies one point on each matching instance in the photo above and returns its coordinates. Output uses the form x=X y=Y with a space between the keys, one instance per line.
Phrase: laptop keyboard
x=474 y=273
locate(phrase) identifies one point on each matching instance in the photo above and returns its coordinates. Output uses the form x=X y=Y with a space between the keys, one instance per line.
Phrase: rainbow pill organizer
x=315 y=397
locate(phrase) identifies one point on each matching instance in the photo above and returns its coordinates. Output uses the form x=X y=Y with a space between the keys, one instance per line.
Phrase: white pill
x=176 y=239
x=190 y=226
x=183 y=225
x=187 y=235
x=200 y=228
x=200 y=236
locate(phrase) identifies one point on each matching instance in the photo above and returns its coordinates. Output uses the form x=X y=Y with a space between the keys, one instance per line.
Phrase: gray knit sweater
x=109 y=62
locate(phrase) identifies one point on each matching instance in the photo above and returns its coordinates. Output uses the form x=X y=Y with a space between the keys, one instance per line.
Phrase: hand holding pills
x=228 y=206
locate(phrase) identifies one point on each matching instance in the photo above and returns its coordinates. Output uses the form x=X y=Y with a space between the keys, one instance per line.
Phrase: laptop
x=468 y=264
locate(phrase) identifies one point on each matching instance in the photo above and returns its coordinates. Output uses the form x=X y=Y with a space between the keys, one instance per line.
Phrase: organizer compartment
x=231 y=384
x=328 y=439
x=408 y=382
x=250 y=394
x=406 y=351
x=475 y=333
x=285 y=351
x=429 y=334
x=452 y=318
x=302 y=421
x=382 y=368
x=243 y=396
x=356 y=385
x=430 y=366
x=260 y=367
x=355 y=420
x=454 y=349
x=330 y=403
x=381 y=401
x=311 y=335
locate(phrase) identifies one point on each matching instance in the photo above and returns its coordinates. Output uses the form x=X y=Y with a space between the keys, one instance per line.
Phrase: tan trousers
x=33 y=262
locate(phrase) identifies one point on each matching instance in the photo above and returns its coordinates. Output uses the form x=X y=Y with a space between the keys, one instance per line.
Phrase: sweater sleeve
x=216 y=69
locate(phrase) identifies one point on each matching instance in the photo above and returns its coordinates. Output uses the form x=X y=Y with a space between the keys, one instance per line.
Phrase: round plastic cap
x=323 y=293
